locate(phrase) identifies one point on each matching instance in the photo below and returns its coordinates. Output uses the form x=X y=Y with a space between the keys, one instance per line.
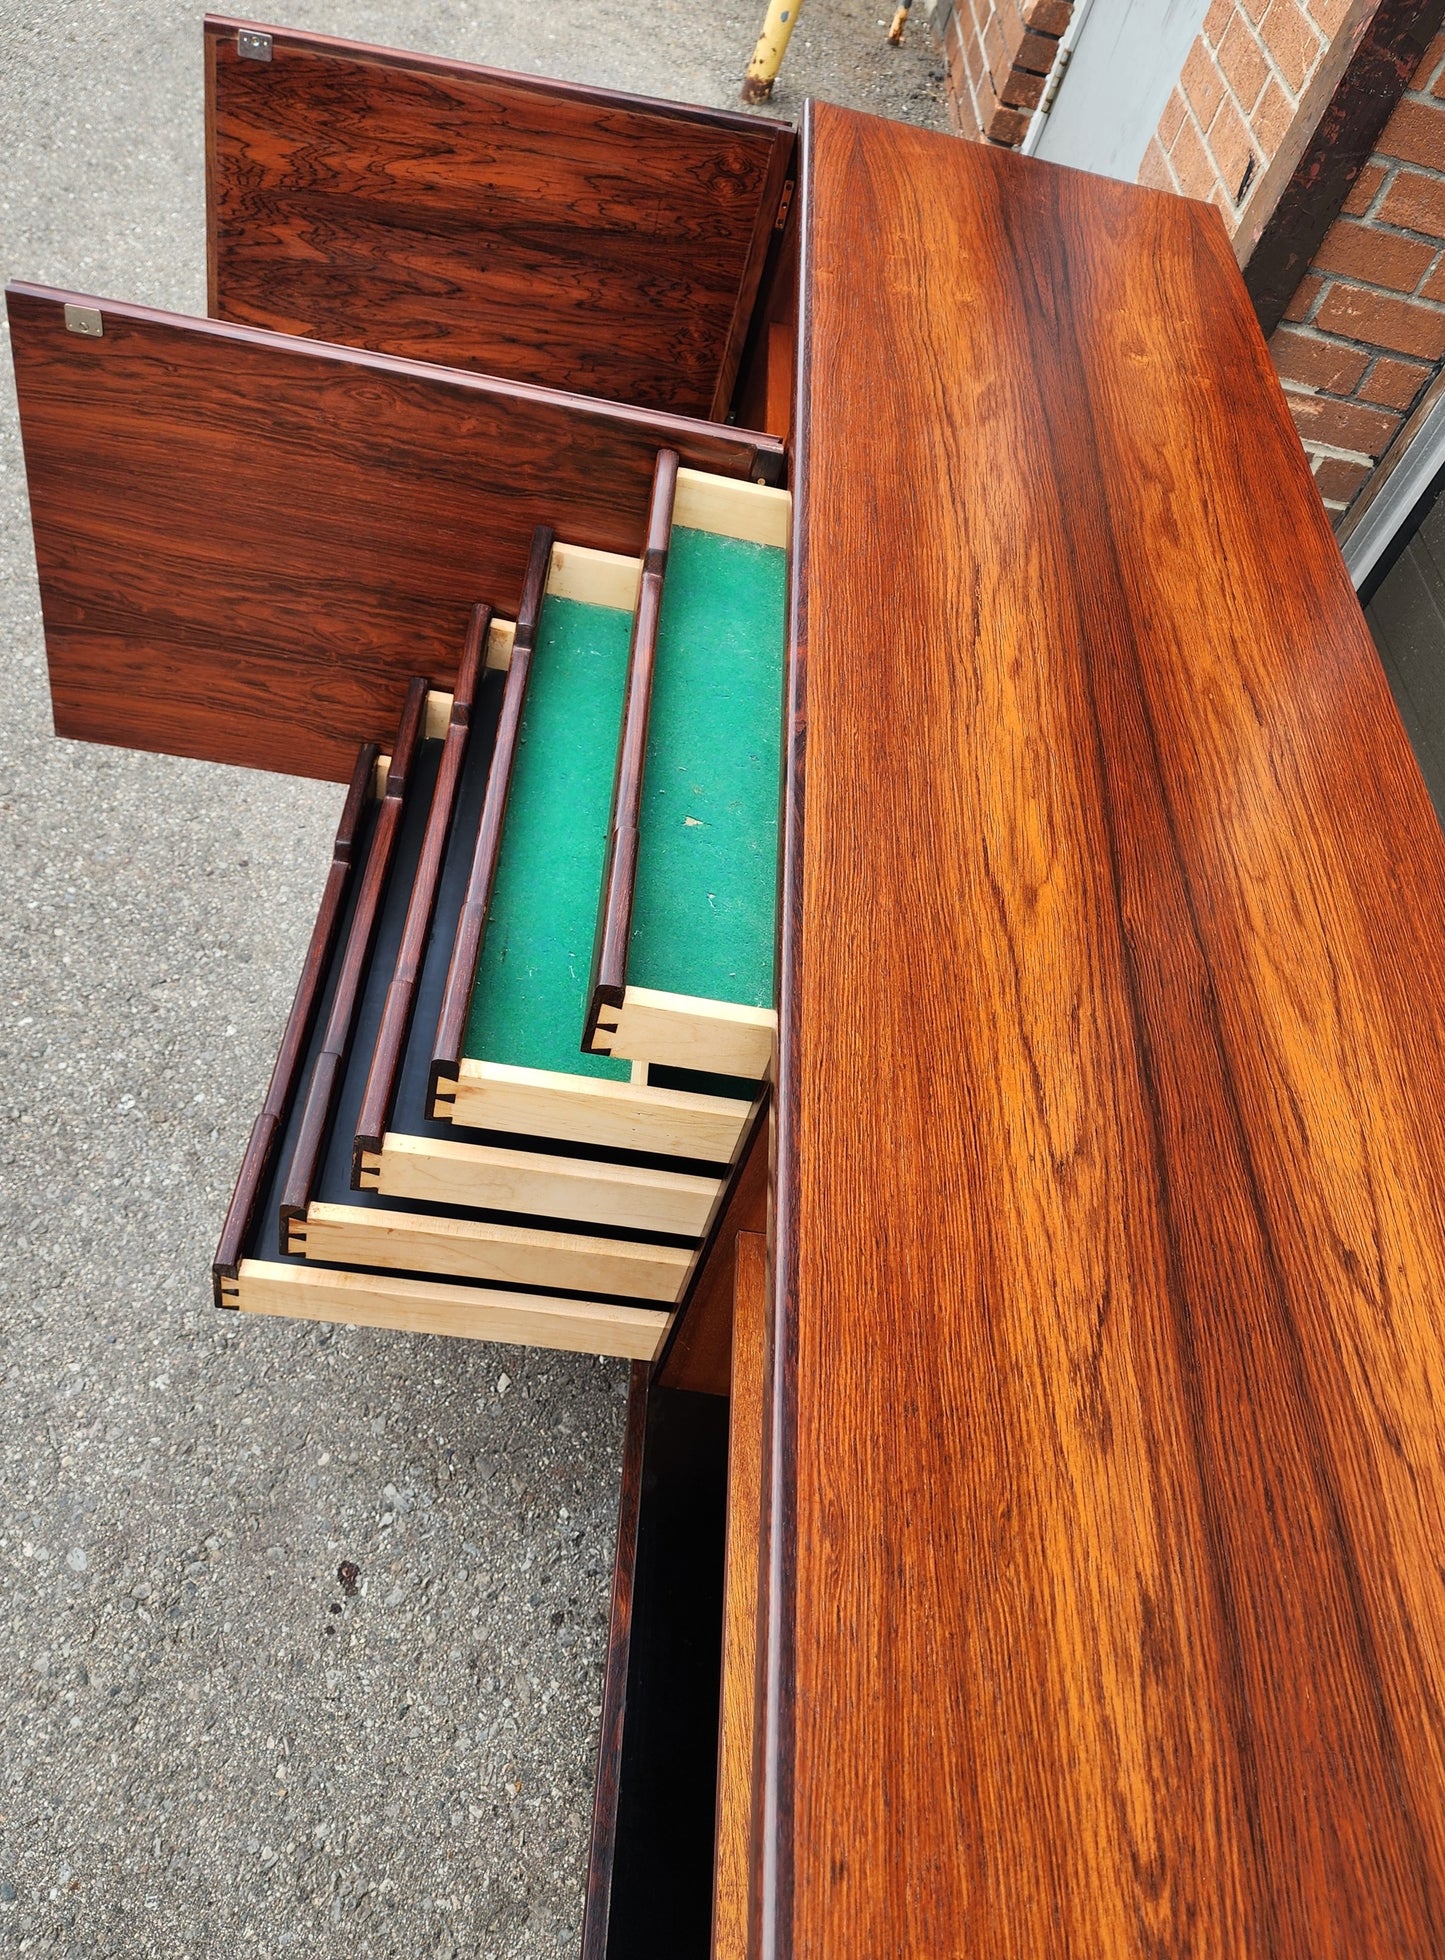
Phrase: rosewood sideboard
x=880 y=879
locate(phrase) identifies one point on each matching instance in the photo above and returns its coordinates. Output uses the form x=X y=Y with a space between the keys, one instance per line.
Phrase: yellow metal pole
x=772 y=46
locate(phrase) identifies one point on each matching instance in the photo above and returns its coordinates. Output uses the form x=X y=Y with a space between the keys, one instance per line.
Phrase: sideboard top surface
x=1108 y=1487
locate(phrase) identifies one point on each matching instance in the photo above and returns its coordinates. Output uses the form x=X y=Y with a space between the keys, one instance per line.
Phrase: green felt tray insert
x=707 y=866
x=530 y=994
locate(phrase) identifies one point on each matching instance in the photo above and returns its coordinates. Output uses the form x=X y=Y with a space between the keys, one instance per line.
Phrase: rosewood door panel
x=247 y=543
x=558 y=234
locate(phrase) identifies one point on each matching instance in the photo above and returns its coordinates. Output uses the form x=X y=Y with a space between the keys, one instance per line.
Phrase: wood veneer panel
x=699 y=1348
x=740 y=1602
x=248 y=543
x=564 y=235
x=1109 y=1490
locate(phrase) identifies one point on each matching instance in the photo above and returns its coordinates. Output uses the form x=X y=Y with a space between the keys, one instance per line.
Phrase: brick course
x=1343 y=424
x=1362 y=196
x=999 y=55
x=1412 y=201
x=1369 y=252
x=1365 y=334
x=1243 y=64
x=1306 y=293
x=1395 y=384
x=1337 y=480
x=1315 y=362
x=1293 y=43
x=1240 y=91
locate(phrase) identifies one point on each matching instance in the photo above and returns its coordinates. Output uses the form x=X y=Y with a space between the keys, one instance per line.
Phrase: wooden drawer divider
x=462 y=973
x=380 y=1092
x=268 y=1126
x=320 y=1094
x=608 y=981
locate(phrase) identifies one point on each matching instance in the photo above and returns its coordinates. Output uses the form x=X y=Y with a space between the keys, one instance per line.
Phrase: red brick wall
x=999 y=56
x=1365 y=333
x=1240 y=91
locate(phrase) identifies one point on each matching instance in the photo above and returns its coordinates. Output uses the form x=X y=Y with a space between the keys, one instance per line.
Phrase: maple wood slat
x=473 y=1249
x=248 y=543
x=296 y=1291
x=558 y=234
x=1107 y=1480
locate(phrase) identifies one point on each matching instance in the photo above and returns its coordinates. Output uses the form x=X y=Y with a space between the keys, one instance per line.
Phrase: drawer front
x=434 y=1307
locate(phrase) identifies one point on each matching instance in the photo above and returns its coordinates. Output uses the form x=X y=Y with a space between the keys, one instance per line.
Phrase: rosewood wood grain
x=248 y=543
x=1108 y=1389
x=740 y=1601
x=697 y=1354
x=763 y=398
x=379 y=1095
x=467 y=949
x=602 y=1849
x=608 y=982
x=569 y=236
x=326 y=1074
x=267 y=1129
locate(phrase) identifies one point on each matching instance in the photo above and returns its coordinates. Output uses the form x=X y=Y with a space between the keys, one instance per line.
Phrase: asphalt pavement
x=208 y=1745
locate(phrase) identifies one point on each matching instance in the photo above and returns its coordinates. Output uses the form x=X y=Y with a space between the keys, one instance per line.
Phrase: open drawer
x=684 y=955
x=298 y=1241
x=541 y=1127
x=432 y=1225
x=665 y=1061
x=513 y=1051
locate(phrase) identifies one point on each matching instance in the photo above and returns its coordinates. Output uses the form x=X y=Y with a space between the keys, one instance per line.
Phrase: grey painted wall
x=1126 y=59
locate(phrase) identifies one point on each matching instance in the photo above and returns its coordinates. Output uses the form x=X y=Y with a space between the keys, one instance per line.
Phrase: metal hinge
x=783 y=203
x=1055 y=82
x=253 y=46
x=84 y=319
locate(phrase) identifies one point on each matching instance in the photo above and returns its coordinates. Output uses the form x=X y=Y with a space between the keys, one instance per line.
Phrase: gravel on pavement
x=302 y=1627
